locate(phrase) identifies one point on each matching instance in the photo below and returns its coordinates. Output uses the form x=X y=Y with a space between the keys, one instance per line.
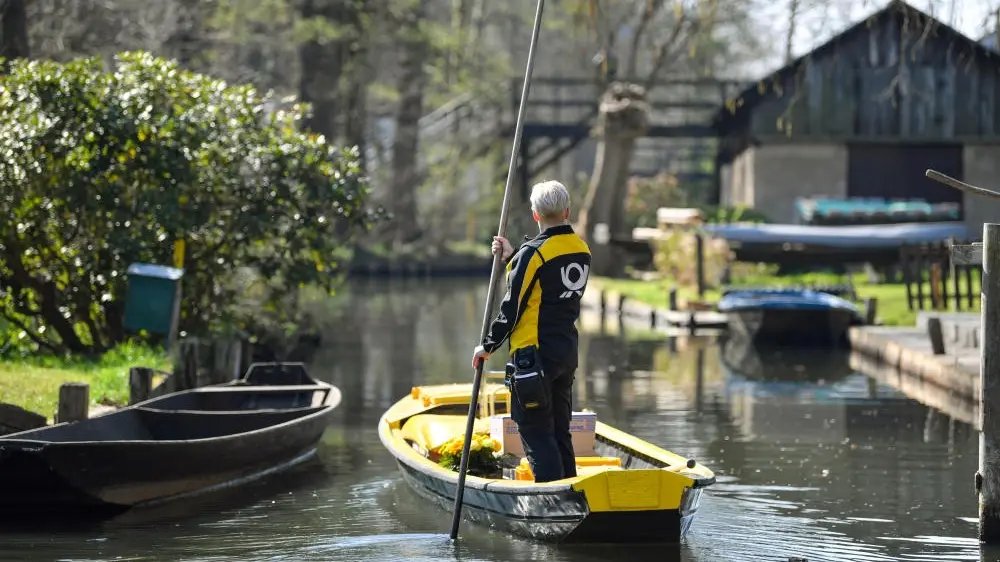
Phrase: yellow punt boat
x=626 y=489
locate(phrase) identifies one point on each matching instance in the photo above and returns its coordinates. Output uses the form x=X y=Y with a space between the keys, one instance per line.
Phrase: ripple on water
x=739 y=522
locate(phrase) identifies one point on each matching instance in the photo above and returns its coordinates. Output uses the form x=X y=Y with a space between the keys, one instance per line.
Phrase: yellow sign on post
x=179 y=253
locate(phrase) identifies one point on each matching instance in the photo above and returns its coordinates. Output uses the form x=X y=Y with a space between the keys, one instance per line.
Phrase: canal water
x=813 y=460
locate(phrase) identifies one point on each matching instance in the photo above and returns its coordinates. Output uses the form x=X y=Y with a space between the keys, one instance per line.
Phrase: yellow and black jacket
x=546 y=278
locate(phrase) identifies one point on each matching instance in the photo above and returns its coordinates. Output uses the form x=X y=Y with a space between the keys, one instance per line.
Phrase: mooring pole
x=988 y=477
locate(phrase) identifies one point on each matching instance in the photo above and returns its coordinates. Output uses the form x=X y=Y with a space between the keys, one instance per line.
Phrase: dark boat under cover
x=789 y=316
x=168 y=447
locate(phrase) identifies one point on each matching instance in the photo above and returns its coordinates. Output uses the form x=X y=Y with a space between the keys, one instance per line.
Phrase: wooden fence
x=929 y=274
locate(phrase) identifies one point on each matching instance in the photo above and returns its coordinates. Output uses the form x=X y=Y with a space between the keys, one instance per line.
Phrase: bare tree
x=661 y=38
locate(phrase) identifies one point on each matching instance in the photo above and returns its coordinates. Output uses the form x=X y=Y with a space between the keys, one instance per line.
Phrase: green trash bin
x=153 y=299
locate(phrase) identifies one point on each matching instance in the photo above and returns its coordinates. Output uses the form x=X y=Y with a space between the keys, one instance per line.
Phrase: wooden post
x=140 y=384
x=672 y=299
x=186 y=370
x=227 y=356
x=988 y=477
x=247 y=357
x=604 y=304
x=621 y=306
x=871 y=310
x=935 y=280
x=652 y=317
x=700 y=262
x=936 y=335
x=74 y=402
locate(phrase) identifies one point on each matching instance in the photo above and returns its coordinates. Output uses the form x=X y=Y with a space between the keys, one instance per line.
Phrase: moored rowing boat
x=168 y=447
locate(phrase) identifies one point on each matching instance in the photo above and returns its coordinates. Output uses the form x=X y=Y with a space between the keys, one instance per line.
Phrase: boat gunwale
x=332 y=401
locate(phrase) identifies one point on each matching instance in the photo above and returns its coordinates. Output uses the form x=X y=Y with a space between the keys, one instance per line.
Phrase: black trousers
x=545 y=432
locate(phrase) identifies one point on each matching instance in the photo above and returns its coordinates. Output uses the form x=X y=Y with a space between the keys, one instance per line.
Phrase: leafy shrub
x=675 y=257
x=103 y=167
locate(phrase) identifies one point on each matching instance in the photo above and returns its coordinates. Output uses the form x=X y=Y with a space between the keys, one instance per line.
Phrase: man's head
x=549 y=204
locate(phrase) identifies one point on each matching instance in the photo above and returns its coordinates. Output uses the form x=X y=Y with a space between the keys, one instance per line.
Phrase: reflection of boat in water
x=793 y=364
x=608 y=501
x=787 y=394
x=789 y=316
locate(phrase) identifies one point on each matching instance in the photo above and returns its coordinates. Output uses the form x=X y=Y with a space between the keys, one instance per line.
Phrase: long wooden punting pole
x=463 y=465
x=988 y=255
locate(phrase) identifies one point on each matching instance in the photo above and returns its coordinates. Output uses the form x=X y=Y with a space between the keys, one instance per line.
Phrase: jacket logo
x=574 y=279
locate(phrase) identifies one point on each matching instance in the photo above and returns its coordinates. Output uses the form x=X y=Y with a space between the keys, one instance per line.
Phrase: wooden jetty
x=910 y=352
x=612 y=304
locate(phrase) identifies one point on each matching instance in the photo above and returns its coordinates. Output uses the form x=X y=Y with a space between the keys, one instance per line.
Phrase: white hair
x=549 y=199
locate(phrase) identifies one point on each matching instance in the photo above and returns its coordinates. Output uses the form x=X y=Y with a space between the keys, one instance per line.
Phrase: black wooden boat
x=789 y=316
x=168 y=447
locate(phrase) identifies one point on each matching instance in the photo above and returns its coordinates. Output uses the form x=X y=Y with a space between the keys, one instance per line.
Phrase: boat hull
x=151 y=453
x=639 y=501
x=790 y=326
x=559 y=516
x=112 y=477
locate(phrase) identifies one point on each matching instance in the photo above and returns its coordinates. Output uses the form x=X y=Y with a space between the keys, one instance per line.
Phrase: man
x=546 y=279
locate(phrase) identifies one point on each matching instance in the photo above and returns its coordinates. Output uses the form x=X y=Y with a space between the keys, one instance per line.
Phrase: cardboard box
x=581 y=429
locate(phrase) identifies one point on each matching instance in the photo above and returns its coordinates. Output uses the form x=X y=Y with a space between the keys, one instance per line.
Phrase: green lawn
x=891 y=297
x=34 y=383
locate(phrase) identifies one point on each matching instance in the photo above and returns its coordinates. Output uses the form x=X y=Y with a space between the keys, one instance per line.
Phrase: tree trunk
x=188 y=43
x=14 y=29
x=406 y=146
x=321 y=69
x=624 y=118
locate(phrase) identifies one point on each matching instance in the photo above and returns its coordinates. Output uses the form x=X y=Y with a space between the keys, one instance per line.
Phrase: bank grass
x=891 y=297
x=33 y=382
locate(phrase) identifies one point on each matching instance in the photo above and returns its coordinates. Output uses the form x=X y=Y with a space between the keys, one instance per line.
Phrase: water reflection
x=813 y=460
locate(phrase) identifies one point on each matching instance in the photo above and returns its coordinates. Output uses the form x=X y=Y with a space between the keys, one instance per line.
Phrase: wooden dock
x=611 y=304
x=909 y=351
x=904 y=358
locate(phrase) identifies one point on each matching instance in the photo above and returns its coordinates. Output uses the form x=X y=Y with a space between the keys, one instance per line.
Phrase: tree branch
x=652 y=8
x=666 y=49
x=31 y=334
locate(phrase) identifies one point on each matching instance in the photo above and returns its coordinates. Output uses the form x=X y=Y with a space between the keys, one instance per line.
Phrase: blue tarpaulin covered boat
x=861 y=210
x=789 y=316
x=863 y=236
x=815 y=245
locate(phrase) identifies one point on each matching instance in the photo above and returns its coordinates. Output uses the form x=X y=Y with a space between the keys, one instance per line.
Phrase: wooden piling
x=871 y=310
x=186 y=369
x=700 y=259
x=936 y=335
x=988 y=477
x=604 y=304
x=74 y=402
x=672 y=299
x=140 y=384
x=227 y=356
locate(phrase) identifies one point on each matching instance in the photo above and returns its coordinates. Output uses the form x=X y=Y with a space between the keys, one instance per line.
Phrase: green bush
x=102 y=167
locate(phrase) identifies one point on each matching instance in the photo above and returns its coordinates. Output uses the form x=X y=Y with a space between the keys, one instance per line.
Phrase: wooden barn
x=864 y=115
